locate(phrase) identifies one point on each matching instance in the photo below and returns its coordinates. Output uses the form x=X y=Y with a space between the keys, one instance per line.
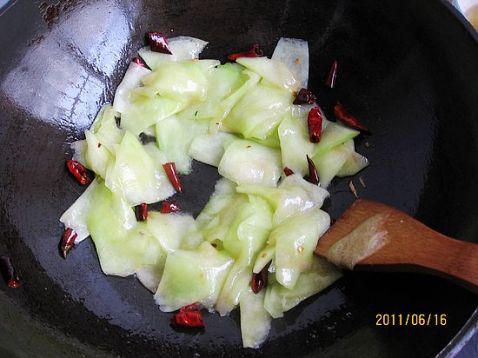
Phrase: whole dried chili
x=348 y=119
x=169 y=207
x=78 y=171
x=171 y=172
x=67 y=242
x=259 y=280
x=288 y=171
x=304 y=96
x=332 y=76
x=158 y=42
x=254 y=51
x=313 y=176
x=188 y=316
x=9 y=273
x=141 y=212
x=314 y=123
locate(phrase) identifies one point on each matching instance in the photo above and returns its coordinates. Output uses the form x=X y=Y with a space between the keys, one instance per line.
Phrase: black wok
x=409 y=69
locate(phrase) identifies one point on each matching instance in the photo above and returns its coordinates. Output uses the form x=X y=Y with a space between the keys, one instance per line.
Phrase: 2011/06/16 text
x=410 y=319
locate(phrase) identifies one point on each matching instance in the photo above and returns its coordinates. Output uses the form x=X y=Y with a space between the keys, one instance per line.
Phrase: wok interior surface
x=406 y=68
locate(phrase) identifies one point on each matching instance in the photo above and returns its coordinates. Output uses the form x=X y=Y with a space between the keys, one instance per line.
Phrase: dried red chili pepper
x=188 y=319
x=259 y=280
x=169 y=207
x=304 y=96
x=313 y=176
x=170 y=169
x=9 y=273
x=314 y=122
x=288 y=171
x=332 y=76
x=158 y=42
x=78 y=171
x=348 y=119
x=67 y=242
x=254 y=51
x=141 y=212
x=191 y=307
x=139 y=61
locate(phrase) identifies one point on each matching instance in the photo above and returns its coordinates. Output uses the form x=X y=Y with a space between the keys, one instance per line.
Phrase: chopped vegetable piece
x=295 y=239
x=320 y=275
x=170 y=229
x=246 y=162
x=169 y=207
x=131 y=80
x=348 y=119
x=173 y=176
x=355 y=163
x=293 y=196
x=141 y=212
x=255 y=320
x=288 y=171
x=333 y=135
x=67 y=242
x=313 y=176
x=304 y=96
x=192 y=276
x=174 y=137
x=97 y=157
x=294 y=53
x=259 y=280
x=254 y=51
x=294 y=140
x=78 y=171
x=79 y=148
x=184 y=81
x=182 y=48
x=188 y=319
x=259 y=112
x=136 y=174
x=332 y=76
x=9 y=273
x=329 y=164
x=209 y=148
x=158 y=42
x=272 y=71
x=150 y=274
x=147 y=110
x=75 y=216
x=314 y=123
x=237 y=282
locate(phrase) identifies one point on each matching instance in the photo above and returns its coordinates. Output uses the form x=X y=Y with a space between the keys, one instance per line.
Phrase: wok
x=408 y=69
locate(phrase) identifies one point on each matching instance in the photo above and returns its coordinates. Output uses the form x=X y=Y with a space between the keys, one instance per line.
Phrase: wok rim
x=470 y=328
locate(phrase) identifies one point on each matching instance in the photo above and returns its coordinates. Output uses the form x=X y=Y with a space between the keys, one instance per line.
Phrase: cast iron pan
x=408 y=69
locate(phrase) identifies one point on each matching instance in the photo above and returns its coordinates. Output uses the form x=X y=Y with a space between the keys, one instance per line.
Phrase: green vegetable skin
x=238 y=117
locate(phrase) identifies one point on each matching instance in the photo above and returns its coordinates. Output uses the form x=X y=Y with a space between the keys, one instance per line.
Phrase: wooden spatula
x=374 y=236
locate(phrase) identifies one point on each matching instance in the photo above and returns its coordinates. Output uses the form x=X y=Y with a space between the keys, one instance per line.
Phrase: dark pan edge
x=466 y=333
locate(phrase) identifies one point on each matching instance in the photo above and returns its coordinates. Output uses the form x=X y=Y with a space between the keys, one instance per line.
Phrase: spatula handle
x=439 y=255
x=454 y=259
